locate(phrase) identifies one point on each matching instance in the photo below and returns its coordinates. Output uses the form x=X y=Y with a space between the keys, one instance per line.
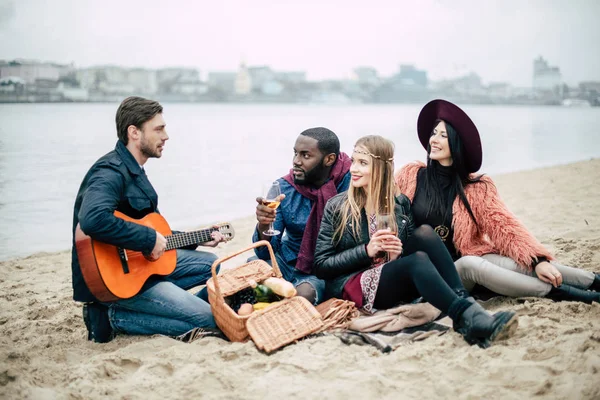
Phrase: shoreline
x=554 y=354
x=243 y=221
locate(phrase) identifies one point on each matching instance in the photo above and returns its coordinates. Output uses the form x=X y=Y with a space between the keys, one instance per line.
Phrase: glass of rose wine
x=271 y=199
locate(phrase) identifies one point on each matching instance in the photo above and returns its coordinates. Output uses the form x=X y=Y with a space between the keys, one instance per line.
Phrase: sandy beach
x=555 y=353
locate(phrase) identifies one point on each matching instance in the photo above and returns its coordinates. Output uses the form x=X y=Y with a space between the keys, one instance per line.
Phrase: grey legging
x=504 y=276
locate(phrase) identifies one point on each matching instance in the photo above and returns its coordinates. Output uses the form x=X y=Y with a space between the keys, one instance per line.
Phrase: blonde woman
x=381 y=268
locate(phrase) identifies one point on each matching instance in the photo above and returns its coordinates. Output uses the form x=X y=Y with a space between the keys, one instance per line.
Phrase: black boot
x=595 y=286
x=570 y=293
x=462 y=293
x=95 y=316
x=479 y=327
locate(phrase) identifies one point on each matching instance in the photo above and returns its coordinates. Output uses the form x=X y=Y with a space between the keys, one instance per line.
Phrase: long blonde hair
x=381 y=190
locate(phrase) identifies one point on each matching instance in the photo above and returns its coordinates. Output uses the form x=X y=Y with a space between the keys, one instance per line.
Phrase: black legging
x=426 y=269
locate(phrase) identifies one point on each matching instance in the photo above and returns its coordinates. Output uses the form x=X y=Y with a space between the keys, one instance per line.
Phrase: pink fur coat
x=500 y=231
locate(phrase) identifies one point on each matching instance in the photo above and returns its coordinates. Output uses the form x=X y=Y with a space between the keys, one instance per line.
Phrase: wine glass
x=386 y=222
x=271 y=199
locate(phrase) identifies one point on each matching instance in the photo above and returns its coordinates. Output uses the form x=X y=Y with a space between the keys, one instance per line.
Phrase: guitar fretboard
x=184 y=239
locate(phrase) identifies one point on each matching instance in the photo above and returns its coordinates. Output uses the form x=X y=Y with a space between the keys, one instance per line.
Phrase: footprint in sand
x=128 y=365
x=541 y=354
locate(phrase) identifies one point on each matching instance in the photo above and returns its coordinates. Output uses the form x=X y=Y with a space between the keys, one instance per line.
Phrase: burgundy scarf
x=319 y=196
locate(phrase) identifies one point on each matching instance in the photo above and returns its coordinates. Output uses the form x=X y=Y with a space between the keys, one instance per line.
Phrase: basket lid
x=283 y=323
x=233 y=280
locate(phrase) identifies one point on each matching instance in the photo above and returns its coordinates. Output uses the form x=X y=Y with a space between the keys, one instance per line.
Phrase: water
x=219 y=155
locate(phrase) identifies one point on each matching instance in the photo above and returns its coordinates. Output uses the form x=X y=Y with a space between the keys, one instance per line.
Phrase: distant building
x=409 y=84
x=172 y=75
x=545 y=77
x=499 y=90
x=180 y=80
x=222 y=80
x=469 y=84
x=260 y=75
x=108 y=79
x=87 y=77
x=243 y=82
x=11 y=84
x=590 y=90
x=272 y=88
x=291 y=76
x=410 y=75
x=366 y=75
x=75 y=94
x=143 y=80
x=189 y=88
x=590 y=86
x=31 y=71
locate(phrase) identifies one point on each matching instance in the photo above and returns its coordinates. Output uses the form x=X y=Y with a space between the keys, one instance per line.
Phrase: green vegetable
x=264 y=294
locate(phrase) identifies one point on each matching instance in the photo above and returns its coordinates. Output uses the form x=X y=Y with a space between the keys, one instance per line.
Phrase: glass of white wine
x=271 y=198
x=386 y=222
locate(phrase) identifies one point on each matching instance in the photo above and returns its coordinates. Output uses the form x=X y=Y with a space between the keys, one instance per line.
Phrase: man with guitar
x=319 y=172
x=115 y=250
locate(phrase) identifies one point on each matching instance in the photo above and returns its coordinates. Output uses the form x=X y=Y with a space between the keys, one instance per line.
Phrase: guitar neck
x=184 y=239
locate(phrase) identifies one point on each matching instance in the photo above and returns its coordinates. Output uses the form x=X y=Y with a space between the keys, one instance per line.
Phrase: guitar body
x=102 y=264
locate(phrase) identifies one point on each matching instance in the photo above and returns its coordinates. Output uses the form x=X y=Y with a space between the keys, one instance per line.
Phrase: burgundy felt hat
x=460 y=121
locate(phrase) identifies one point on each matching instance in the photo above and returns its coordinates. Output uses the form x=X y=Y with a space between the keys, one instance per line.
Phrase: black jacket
x=338 y=262
x=114 y=182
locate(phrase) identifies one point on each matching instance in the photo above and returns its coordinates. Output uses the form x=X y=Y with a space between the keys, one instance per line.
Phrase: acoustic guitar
x=113 y=273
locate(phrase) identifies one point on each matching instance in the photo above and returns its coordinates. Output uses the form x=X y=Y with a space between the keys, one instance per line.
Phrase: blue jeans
x=164 y=306
x=291 y=274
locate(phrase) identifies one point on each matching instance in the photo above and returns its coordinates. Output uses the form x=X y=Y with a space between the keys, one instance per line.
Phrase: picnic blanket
x=385 y=329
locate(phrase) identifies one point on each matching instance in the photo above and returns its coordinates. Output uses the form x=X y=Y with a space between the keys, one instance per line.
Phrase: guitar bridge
x=124 y=260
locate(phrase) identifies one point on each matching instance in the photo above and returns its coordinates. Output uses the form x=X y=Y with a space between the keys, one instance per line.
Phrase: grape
x=243 y=296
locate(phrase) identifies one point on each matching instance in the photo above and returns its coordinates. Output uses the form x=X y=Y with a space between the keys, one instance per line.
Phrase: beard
x=313 y=175
x=149 y=150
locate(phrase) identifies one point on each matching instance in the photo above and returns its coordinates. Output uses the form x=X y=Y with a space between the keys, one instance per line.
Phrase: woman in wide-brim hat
x=490 y=245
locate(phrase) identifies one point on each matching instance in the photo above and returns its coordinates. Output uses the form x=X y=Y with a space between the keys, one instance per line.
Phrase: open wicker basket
x=232 y=281
x=272 y=327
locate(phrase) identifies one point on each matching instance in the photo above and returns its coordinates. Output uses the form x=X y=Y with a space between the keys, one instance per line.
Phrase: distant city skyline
x=326 y=39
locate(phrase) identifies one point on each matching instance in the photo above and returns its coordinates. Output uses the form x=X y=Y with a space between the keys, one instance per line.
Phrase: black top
x=437 y=218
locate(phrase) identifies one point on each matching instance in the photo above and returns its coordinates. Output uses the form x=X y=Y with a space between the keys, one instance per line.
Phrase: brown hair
x=135 y=111
x=382 y=188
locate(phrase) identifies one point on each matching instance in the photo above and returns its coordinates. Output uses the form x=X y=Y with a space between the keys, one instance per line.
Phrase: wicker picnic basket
x=272 y=327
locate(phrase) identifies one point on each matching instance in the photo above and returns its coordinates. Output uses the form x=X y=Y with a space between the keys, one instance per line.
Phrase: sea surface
x=219 y=155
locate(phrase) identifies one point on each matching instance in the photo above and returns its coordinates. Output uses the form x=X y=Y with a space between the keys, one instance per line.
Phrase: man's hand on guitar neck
x=159 y=247
x=161 y=243
x=217 y=238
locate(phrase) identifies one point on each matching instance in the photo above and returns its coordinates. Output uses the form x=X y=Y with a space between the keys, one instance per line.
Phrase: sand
x=555 y=353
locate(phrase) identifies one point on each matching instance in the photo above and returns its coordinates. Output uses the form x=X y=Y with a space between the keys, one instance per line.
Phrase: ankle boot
x=95 y=316
x=595 y=286
x=462 y=293
x=570 y=293
x=477 y=326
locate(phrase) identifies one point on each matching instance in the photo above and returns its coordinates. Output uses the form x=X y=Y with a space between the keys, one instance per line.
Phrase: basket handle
x=253 y=246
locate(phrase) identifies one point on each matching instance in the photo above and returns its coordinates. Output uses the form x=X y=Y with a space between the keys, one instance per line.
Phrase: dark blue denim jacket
x=114 y=182
x=291 y=219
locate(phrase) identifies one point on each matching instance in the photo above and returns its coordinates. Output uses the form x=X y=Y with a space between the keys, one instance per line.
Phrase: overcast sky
x=327 y=39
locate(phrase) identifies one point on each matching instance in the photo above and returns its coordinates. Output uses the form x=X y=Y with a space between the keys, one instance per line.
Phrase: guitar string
x=179 y=240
